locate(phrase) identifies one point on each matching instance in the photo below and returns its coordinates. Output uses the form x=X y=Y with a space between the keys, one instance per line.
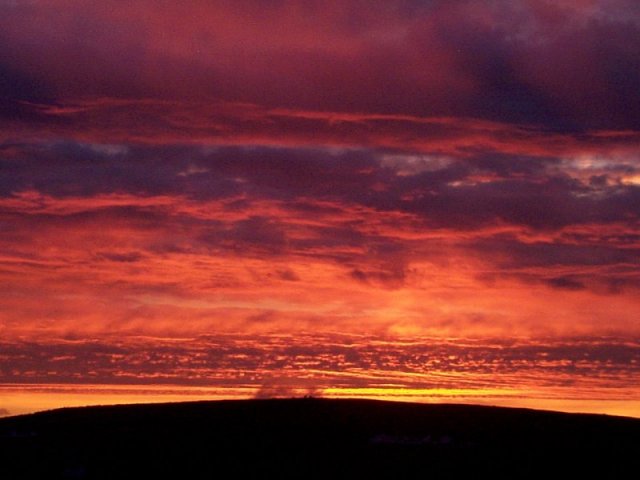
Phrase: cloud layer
x=327 y=238
x=453 y=170
x=562 y=65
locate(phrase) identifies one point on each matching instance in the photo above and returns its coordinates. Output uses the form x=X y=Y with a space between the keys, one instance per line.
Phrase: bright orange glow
x=20 y=399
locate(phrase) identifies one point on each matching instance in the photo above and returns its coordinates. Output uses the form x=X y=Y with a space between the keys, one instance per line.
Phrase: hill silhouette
x=309 y=438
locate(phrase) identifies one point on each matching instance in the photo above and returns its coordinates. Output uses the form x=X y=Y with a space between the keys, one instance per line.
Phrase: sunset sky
x=415 y=200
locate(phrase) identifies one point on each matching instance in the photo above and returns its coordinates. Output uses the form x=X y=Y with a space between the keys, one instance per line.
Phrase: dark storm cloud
x=287 y=173
x=602 y=265
x=390 y=277
x=255 y=234
x=550 y=65
x=563 y=66
x=22 y=99
x=165 y=190
x=71 y=168
x=128 y=257
x=565 y=283
x=464 y=193
x=514 y=253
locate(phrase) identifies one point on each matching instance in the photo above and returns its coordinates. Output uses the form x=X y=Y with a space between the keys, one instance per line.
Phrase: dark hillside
x=315 y=438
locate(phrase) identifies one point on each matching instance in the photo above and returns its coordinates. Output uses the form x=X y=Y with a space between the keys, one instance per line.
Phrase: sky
x=413 y=200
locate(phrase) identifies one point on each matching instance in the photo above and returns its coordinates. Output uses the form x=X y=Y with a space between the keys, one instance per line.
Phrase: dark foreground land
x=312 y=438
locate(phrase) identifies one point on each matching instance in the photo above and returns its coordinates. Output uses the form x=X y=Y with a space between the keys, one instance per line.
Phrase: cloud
x=426 y=167
x=209 y=122
x=565 y=283
x=318 y=237
x=536 y=192
x=288 y=275
x=274 y=367
x=4 y=412
x=561 y=66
